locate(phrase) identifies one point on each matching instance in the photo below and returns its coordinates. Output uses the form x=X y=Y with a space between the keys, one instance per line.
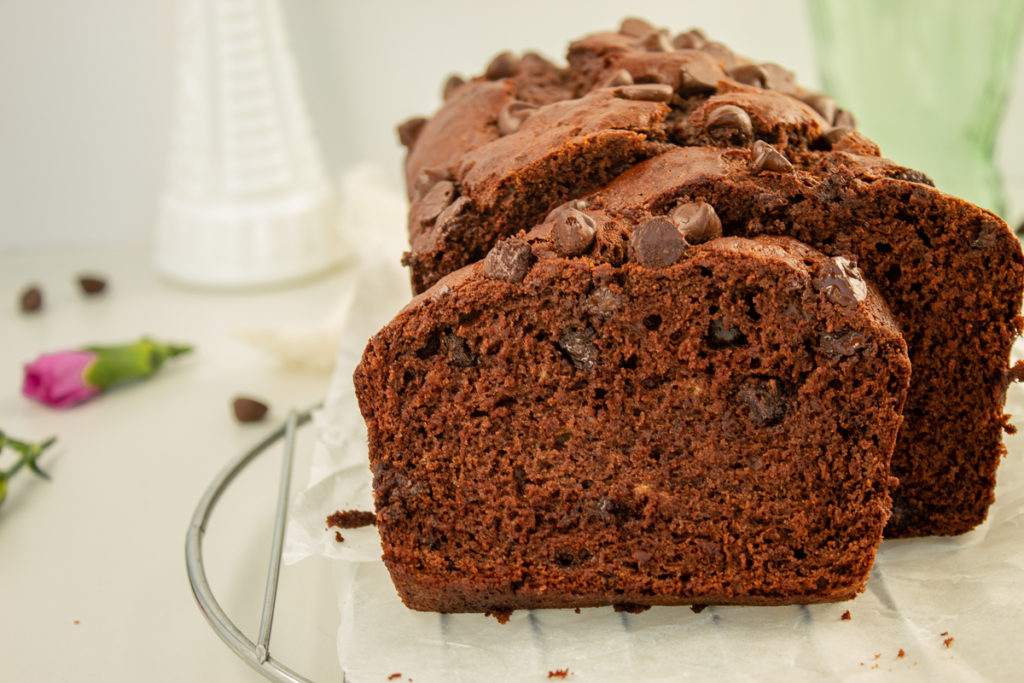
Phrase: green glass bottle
x=927 y=80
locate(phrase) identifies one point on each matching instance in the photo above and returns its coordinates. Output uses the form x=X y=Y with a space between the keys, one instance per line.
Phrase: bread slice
x=608 y=413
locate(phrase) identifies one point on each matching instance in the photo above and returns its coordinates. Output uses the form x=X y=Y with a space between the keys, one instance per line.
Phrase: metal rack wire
x=256 y=654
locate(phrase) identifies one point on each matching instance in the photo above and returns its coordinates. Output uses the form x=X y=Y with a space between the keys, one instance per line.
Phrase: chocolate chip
x=409 y=130
x=834 y=136
x=620 y=77
x=779 y=79
x=509 y=261
x=451 y=214
x=453 y=83
x=249 y=409
x=699 y=78
x=427 y=178
x=764 y=157
x=749 y=74
x=697 y=221
x=730 y=124
x=988 y=235
x=435 y=201
x=635 y=27
x=844 y=119
x=842 y=343
x=603 y=303
x=31 y=299
x=577 y=345
x=657 y=243
x=91 y=284
x=720 y=52
x=912 y=176
x=765 y=398
x=458 y=353
x=512 y=116
x=693 y=39
x=574 y=233
x=841 y=282
x=823 y=104
x=647 y=92
x=656 y=41
x=556 y=213
x=505 y=65
x=721 y=336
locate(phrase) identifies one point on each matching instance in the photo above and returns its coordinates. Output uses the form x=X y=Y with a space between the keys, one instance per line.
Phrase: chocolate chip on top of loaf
x=622 y=411
x=640 y=121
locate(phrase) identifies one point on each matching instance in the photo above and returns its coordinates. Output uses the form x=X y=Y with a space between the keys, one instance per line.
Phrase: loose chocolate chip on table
x=574 y=233
x=91 y=284
x=635 y=27
x=509 y=261
x=512 y=116
x=764 y=157
x=249 y=409
x=657 y=243
x=409 y=130
x=697 y=221
x=436 y=200
x=31 y=299
x=504 y=65
x=699 y=78
x=750 y=74
x=844 y=119
x=693 y=39
x=729 y=123
x=647 y=92
x=656 y=41
x=453 y=83
x=841 y=282
x=620 y=77
x=823 y=104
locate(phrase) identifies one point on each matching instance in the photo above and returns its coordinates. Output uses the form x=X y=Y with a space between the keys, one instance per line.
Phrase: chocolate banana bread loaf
x=607 y=412
x=639 y=122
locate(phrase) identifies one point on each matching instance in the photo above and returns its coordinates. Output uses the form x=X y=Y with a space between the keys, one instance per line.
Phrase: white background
x=85 y=89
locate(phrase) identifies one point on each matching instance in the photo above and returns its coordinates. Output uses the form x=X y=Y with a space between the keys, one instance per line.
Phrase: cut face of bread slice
x=703 y=423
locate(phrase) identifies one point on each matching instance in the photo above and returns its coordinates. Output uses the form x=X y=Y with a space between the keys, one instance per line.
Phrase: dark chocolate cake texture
x=640 y=122
x=606 y=412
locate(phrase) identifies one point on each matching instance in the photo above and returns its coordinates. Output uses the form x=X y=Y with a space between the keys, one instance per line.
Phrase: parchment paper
x=953 y=606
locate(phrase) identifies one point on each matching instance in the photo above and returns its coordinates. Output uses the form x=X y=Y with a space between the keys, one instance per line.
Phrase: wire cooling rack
x=256 y=654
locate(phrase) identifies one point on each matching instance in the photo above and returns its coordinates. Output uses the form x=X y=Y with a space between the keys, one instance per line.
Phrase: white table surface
x=92 y=572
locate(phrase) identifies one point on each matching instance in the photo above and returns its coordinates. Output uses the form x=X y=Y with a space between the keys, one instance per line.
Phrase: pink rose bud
x=67 y=378
x=58 y=379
